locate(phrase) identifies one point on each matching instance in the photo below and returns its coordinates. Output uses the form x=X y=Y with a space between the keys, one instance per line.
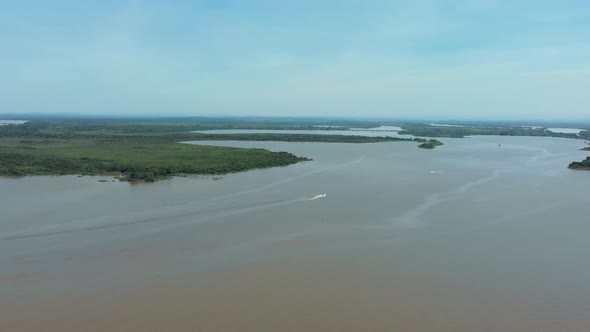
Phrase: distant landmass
x=148 y=150
x=430 y=144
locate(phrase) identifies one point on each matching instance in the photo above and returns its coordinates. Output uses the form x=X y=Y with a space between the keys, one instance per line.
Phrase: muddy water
x=469 y=236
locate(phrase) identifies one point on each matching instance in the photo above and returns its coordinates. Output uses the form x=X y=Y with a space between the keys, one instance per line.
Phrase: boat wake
x=195 y=215
x=315 y=197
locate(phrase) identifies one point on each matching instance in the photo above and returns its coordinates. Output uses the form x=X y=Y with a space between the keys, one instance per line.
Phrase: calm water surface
x=501 y=226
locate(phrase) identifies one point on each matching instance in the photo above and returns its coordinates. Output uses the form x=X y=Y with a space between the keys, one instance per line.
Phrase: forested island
x=143 y=151
x=430 y=144
x=142 y=154
x=131 y=159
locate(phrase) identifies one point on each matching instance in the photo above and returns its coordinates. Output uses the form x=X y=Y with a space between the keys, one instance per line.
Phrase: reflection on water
x=565 y=130
x=11 y=122
x=384 y=234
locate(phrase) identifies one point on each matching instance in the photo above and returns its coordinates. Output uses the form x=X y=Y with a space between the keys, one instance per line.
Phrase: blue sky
x=425 y=59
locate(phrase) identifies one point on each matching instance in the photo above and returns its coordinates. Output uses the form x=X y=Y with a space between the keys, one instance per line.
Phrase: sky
x=476 y=59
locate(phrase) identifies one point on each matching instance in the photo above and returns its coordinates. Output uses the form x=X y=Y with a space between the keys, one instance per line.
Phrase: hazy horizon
x=423 y=60
x=581 y=121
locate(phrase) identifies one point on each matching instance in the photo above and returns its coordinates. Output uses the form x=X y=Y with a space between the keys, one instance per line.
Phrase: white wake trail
x=316 y=197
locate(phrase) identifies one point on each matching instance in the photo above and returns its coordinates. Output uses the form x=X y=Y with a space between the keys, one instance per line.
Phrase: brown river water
x=471 y=236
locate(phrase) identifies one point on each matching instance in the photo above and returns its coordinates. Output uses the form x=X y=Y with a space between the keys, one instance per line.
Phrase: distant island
x=581 y=165
x=430 y=144
x=151 y=149
x=145 y=150
x=424 y=130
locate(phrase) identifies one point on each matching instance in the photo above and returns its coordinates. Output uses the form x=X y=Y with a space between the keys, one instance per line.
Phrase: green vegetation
x=134 y=159
x=431 y=144
x=581 y=165
x=38 y=148
x=141 y=151
x=306 y=138
x=147 y=149
x=177 y=124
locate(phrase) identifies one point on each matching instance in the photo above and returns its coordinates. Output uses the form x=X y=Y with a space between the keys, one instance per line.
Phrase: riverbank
x=131 y=159
x=144 y=152
x=134 y=152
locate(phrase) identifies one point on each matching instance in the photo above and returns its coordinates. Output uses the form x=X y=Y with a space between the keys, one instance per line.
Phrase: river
x=484 y=233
